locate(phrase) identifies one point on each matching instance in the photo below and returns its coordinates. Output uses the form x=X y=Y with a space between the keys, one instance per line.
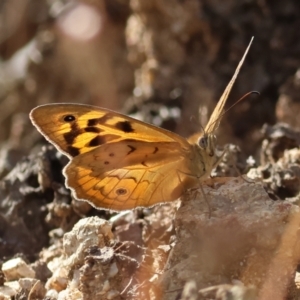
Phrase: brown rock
x=236 y=238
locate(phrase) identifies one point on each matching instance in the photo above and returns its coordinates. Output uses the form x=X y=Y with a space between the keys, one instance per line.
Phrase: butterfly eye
x=69 y=118
x=203 y=142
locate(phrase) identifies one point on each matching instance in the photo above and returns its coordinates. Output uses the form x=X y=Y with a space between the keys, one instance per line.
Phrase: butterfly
x=119 y=163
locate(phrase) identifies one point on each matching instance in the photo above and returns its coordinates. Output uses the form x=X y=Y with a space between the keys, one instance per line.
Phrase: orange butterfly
x=119 y=163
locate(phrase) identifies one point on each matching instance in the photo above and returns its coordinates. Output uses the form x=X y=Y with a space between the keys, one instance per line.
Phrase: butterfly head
x=207 y=142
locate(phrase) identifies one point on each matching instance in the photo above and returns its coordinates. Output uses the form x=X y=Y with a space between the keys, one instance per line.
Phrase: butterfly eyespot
x=69 y=118
x=106 y=163
x=111 y=154
x=121 y=191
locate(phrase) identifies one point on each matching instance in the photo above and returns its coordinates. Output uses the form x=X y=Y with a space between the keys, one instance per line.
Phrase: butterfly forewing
x=216 y=116
x=75 y=129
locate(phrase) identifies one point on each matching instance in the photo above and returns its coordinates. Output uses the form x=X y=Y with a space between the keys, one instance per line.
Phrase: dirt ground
x=165 y=63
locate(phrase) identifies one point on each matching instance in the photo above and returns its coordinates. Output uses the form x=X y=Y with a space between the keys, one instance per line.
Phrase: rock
x=87 y=268
x=17 y=268
x=231 y=233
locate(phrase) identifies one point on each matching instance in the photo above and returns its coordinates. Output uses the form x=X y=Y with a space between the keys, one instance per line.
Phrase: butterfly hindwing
x=128 y=174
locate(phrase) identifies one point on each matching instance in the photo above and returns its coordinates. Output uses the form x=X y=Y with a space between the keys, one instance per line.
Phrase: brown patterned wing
x=76 y=129
x=128 y=174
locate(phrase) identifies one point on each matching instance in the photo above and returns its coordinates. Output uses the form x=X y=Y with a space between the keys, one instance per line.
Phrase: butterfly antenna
x=192 y=119
x=235 y=103
x=242 y=98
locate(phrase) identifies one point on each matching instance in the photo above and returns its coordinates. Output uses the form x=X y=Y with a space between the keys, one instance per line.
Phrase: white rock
x=17 y=268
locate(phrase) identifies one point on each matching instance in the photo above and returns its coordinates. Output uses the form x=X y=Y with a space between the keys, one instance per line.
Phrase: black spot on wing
x=101 y=120
x=101 y=139
x=144 y=164
x=92 y=129
x=125 y=126
x=92 y=122
x=97 y=141
x=132 y=178
x=73 y=151
x=70 y=137
x=155 y=150
x=132 y=149
x=72 y=134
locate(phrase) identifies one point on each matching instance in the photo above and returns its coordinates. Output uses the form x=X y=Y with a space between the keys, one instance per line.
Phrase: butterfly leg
x=206 y=200
x=241 y=175
x=199 y=186
x=233 y=164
